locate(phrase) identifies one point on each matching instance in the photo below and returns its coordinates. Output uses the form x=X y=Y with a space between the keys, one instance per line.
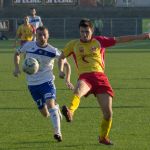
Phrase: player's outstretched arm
x=128 y=38
x=61 y=66
x=67 y=70
x=16 y=71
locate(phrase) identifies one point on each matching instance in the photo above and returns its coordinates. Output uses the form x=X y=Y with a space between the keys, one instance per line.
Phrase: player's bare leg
x=105 y=102
x=81 y=89
x=44 y=111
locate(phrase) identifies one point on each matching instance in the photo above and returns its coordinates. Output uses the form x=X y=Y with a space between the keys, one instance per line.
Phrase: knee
x=46 y=115
x=108 y=115
x=50 y=103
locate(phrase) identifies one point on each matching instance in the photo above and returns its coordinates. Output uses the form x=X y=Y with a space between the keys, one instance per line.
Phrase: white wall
x=132 y=3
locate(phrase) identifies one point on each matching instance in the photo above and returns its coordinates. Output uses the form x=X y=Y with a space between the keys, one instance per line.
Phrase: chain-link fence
x=68 y=27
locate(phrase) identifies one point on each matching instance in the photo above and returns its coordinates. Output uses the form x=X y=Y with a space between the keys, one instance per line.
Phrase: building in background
x=62 y=16
x=88 y=3
x=133 y=3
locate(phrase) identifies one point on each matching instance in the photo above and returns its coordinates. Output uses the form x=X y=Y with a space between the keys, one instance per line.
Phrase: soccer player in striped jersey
x=34 y=19
x=41 y=84
x=88 y=53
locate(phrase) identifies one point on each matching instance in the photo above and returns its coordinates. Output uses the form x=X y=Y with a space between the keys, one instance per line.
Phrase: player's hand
x=61 y=74
x=16 y=72
x=69 y=85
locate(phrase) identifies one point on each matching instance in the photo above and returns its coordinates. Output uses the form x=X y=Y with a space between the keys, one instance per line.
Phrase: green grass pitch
x=23 y=128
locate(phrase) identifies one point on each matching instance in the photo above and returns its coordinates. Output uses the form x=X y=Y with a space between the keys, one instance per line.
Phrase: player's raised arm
x=129 y=38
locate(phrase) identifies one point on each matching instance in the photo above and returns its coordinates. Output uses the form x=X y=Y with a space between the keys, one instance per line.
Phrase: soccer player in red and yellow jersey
x=25 y=32
x=88 y=53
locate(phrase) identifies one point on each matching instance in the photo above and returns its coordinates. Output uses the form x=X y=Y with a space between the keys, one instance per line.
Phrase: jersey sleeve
x=23 y=48
x=58 y=53
x=106 y=41
x=33 y=29
x=68 y=49
x=30 y=18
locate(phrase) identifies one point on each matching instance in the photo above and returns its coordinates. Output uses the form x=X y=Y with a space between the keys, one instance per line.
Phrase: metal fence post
x=111 y=26
x=136 y=26
x=64 y=28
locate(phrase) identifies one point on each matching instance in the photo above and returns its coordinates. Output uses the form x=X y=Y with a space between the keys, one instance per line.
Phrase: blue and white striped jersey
x=45 y=57
x=35 y=21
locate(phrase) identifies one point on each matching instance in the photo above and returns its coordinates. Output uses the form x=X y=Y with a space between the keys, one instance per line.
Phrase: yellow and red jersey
x=89 y=57
x=25 y=32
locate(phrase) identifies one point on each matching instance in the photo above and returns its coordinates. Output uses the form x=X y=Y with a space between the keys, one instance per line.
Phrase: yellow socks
x=105 y=128
x=75 y=103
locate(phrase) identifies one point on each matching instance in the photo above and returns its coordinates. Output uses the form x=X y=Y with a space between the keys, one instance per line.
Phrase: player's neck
x=85 y=41
x=33 y=16
x=26 y=24
x=42 y=45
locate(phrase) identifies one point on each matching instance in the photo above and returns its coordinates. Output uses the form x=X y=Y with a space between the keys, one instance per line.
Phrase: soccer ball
x=30 y=65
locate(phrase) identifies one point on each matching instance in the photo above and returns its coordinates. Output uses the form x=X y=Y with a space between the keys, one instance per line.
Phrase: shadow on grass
x=22 y=90
x=31 y=145
x=81 y=107
x=130 y=78
x=14 y=109
x=13 y=90
x=80 y=146
x=129 y=51
x=44 y=145
x=6 y=52
x=32 y=142
x=108 y=51
x=132 y=88
x=124 y=107
x=65 y=89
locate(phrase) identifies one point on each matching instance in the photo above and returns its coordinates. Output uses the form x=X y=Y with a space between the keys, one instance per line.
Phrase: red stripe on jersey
x=105 y=41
